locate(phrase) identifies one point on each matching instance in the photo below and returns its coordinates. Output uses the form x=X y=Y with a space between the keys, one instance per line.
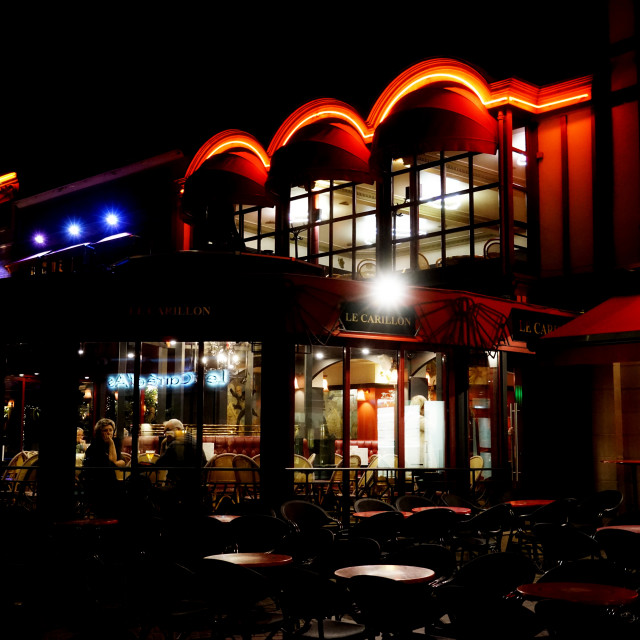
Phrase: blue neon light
x=214 y=378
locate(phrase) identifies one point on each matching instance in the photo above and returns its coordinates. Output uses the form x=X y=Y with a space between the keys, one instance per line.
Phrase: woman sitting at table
x=102 y=458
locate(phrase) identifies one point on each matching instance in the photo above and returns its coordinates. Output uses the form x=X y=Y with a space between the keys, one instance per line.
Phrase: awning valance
x=435 y=118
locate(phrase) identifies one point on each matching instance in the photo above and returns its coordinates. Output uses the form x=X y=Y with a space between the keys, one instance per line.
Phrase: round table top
x=461 y=510
x=603 y=595
x=253 y=559
x=88 y=522
x=224 y=518
x=634 y=528
x=630 y=461
x=529 y=503
x=400 y=572
x=368 y=514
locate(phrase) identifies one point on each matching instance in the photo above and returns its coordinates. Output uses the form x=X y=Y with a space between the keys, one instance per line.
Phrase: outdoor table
x=634 y=528
x=400 y=572
x=524 y=504
x=601 y=595
x=463 y=511
x=368 y=514
x=224 y=518
x=253 y=559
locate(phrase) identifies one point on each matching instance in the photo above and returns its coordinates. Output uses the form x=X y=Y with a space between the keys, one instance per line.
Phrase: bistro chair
x=247 y=474
x=258 y=533
x=483 y=532
x=521 y=535
x=562 y=542
x=409 y=502
x=347 y=552
x=430 y=526
x=313 y=606
x=389 y=607
x=591 y=512
x=622 y=548
x=597 y=571
x=384 y=528
x=483 y=590
x=334 y=485
x=436 y=557
x=302 y=480
x=244 y=601
x=220 y=478
x=372 y=504
x=304 y=516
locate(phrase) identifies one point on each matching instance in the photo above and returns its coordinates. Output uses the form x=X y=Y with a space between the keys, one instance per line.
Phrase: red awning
x=236 y=177
x=443 y=317
x=322 y=151
x=435 y=118
x=615 y=320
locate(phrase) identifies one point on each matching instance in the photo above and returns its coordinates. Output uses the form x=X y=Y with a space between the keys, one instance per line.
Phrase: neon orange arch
x=224 y=141
x=324 y=108
x=423 y=74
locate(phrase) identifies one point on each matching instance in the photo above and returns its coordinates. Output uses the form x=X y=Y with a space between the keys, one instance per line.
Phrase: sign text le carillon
x=368 y=319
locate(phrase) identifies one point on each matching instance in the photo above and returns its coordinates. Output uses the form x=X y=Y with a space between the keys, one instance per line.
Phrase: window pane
x=342 y=234
x=520 y=169
x=457 y=244
x=365 y=197
x=457 y=211
x=342 y=202
x=486 y=205
x=366 y=230
x=485 y=169
x=431 y=249
x=402 y=256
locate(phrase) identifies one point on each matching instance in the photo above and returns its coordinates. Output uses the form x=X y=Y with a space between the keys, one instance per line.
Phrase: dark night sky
x=80 y=98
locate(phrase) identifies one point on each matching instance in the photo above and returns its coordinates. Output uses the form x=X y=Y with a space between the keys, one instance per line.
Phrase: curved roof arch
x=315 y=111
x=440 y=116
x=423 y=74
x=226 y=141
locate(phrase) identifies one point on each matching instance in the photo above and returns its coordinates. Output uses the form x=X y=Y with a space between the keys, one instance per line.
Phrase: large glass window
x=168 y=389
x=445 y=208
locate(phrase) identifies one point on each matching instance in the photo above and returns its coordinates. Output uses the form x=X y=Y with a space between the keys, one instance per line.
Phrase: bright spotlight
x=112 y=219
x=73 y=230
x=389 y=290
x=39 y=238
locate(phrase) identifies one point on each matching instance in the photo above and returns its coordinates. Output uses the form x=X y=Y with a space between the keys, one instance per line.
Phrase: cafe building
x=371 y=284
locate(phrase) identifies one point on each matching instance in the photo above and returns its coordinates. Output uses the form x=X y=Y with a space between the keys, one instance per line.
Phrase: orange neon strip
x=546 y=105
x=244 y=144
x=8 y=177
x=422 y=80
x=328 y=113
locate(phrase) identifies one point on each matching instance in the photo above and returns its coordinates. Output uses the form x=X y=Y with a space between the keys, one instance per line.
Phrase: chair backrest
x=300 y=462
x=305 y=516
x=220 y=469
x=369 y=476
x=475 y=462
x=246 y=470
x=563 y=542
x=258 y=533
x=372 y=504
x=256 y=458
x=408 y=502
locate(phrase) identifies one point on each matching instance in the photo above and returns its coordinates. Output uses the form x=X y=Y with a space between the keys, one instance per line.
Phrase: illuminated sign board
x=213 y=378
x=369 y=319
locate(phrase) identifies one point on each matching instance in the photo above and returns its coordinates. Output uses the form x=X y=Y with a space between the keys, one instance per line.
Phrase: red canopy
x=615 y=320
x=322 y=151
x=435 y=118
x=236 y=177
